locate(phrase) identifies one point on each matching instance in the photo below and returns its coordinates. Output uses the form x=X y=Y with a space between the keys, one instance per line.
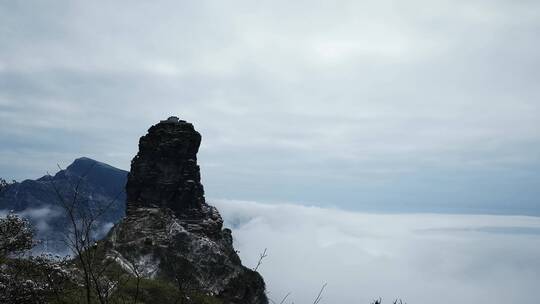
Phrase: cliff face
x=165 y=173
x=169 y=231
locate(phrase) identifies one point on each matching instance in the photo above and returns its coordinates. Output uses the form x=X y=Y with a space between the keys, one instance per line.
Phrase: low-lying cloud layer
x=41 y=217
x=49 y=224
x=422 y=258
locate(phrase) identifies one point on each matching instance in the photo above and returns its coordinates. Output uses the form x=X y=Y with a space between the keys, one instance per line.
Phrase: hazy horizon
x=365 y=207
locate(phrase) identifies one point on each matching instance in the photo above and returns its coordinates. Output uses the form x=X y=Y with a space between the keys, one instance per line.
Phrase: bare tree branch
x=319 y=296
x=262 y=256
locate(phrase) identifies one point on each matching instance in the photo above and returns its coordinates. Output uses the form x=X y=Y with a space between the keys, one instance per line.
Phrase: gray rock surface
x=170 y=232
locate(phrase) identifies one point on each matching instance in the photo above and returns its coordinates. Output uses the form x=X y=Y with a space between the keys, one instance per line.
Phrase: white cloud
x=422 y=258
x=41 y=217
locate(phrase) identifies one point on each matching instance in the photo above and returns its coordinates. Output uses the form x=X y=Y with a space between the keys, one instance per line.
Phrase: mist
x=421 y=258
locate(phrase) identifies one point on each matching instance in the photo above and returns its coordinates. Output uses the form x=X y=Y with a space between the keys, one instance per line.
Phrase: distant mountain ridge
x=100 y=185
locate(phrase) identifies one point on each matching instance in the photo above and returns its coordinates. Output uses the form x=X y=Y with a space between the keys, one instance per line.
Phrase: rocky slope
x=169 y=231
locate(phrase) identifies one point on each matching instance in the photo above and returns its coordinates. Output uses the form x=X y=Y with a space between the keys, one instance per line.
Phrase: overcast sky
x=365 y=105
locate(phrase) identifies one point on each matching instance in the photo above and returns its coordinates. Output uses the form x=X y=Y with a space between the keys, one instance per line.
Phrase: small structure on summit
x=173 y=119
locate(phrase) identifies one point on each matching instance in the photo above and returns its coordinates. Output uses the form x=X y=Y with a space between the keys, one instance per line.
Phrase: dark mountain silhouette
x=100 y=185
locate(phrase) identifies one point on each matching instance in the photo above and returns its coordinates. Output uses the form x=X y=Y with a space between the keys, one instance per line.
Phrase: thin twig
x=263 y=255
x=284 y=298
x=319 y=296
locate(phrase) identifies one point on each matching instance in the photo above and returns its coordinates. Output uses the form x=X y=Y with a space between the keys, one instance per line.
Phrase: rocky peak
x=165 y=173
x=169 y=223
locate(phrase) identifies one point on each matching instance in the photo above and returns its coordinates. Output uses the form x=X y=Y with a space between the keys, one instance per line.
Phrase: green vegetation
x=145 y=291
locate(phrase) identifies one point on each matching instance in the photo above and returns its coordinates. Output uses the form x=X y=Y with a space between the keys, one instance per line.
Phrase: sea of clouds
x=421 y=258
